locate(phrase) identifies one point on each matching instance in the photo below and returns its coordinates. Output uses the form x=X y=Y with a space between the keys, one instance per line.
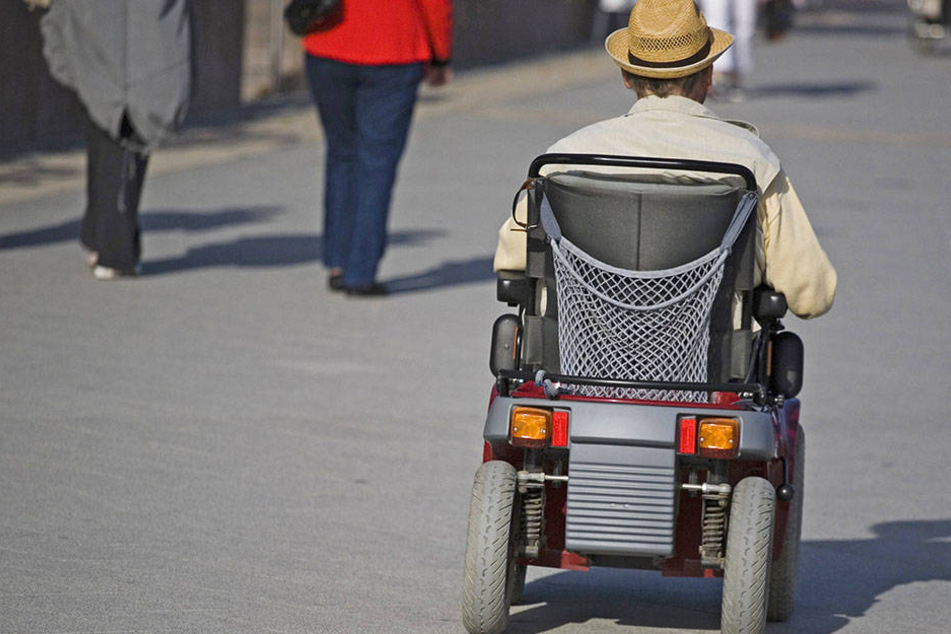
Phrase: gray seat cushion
x=641 y=226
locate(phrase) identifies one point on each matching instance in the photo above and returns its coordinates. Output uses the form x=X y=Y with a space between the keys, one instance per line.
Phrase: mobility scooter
x=643 y=414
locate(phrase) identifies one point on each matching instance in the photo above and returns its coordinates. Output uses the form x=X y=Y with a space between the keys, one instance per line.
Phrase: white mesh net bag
x=651 y=326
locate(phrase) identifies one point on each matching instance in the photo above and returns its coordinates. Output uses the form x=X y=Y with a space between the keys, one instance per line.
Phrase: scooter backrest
x=634 y=224
x=638 y=225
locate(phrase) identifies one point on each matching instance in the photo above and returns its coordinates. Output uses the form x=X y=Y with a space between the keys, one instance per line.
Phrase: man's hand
x=437 y=75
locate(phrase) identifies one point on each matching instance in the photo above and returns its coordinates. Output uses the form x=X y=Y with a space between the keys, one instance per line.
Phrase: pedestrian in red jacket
x=364 y=68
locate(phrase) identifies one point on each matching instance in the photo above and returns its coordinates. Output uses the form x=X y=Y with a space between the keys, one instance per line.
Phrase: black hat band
x=693 y=59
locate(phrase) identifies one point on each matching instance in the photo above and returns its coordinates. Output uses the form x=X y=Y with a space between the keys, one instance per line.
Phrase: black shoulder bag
x=306 y=16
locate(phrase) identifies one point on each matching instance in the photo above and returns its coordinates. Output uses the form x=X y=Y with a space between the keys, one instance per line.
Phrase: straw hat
x=666 y=39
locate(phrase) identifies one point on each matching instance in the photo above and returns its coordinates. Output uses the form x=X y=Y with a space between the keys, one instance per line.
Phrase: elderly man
x=666 y=56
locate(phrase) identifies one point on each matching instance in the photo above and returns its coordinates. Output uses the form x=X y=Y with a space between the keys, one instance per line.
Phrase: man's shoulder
x=697 y=134
x=749 y=127
x=600 y=136
x=631 y=129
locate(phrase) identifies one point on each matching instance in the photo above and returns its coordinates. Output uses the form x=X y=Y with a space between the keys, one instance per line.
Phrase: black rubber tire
x=782 y=578
x=486 y=591
x=516 y=582
x=749 y=544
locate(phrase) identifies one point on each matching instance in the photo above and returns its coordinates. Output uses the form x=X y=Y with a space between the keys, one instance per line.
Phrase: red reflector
x=486 y=452
x=724 y=398
x=688 y=436
x=559 y=429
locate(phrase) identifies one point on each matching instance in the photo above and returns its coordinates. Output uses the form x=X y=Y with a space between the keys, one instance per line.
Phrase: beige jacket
x=788 y=256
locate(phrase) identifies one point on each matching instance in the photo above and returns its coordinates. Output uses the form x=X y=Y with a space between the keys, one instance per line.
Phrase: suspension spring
x=714 y=530
x=533 y=504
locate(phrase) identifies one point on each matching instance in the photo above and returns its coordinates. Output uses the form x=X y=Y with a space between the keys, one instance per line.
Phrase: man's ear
x=627 y=81
x=705 y=84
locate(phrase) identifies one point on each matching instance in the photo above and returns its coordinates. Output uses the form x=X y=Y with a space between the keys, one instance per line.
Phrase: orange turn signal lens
x=530 y=426
x=718 y=437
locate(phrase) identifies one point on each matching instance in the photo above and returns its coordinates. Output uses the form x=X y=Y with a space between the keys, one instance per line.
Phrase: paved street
x=224 y=446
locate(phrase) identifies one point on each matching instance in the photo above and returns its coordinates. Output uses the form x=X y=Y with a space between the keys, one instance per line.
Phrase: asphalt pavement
x=223 y=445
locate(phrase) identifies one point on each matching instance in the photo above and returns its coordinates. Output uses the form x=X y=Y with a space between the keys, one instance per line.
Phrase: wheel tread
x=782 y=583
x=749 y=550
x=485 y=602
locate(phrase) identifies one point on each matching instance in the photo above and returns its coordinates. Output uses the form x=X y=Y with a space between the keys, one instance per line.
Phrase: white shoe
x=92 y=258
x=108 y=273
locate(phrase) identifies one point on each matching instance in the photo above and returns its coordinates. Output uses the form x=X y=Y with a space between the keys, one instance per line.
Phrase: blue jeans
x=365 y=112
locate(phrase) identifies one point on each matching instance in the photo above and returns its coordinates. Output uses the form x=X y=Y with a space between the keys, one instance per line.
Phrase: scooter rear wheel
x=782 y=581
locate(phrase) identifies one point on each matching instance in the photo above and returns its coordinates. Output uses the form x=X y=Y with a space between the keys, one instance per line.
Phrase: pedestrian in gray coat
x=129 y=62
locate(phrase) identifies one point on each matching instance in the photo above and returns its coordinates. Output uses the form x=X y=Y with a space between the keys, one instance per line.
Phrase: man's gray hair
x=663 y=87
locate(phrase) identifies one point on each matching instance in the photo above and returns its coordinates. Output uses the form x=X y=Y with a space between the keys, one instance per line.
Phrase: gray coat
x=127 y=57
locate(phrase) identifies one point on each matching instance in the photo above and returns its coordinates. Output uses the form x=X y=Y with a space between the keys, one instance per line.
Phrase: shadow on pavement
x=864 y=30
x=839 y=580
x=265 y=251
x=204 y=220
x=151 y=221
x=258 y=250
x=813 y=90
x=453 y=273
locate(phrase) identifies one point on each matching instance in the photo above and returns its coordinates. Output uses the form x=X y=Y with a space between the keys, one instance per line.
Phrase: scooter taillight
x=709 y=436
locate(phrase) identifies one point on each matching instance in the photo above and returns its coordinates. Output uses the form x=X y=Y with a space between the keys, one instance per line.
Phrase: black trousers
x=115 y=174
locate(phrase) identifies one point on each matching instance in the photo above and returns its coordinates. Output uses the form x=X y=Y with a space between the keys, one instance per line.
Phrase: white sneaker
x=108 y=273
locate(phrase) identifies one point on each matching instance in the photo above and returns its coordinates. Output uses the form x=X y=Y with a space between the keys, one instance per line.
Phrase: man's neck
x=701 y=99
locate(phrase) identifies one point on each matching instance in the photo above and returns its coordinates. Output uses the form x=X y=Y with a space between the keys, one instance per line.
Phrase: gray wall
x=35 y=112
x=32 y=105
x=492 y=31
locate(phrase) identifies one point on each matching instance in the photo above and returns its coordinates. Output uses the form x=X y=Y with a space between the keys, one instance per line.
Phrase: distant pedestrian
x=778 y=18
x=129 y=63
x=364 y=71
x=730 y=72
x=609 y=16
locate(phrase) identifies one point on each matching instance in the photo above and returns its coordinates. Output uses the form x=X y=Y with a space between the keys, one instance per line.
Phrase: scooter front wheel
x=749 y=545
x=489 y=564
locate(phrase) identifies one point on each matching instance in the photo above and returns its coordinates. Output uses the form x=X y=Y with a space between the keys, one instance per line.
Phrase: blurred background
x=243 y=52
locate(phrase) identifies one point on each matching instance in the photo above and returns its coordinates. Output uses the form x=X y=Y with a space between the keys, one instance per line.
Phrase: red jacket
x=375 y=32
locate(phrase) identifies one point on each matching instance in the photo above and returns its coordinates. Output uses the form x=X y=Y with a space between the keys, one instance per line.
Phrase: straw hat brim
x=617 y=45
